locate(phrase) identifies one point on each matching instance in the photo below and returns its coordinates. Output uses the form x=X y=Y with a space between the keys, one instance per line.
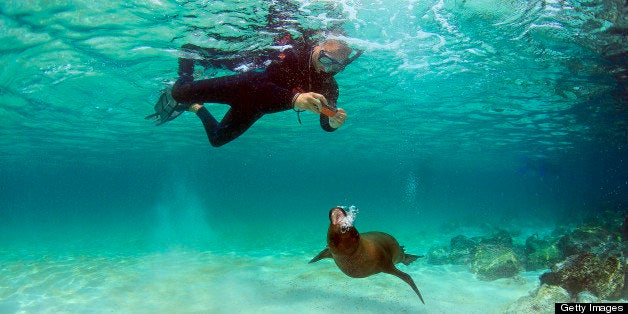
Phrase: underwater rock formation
x=589 y=258
x=458 y=252
x=438 y=255
x=594 y=263
x=608 y=219
x=591 y=239
x=540 y=300
x=499 y=238
x=586 y=297
x=495 y=257
x=542 y=253
x=490 y=262
x=602 y=276
x=461 y=248
x=490 y=257
x=587 y=264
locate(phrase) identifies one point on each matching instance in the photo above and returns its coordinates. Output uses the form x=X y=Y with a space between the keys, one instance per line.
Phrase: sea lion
x=361 y=255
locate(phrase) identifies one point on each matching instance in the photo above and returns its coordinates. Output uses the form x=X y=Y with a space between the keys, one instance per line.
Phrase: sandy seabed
x=184 y=281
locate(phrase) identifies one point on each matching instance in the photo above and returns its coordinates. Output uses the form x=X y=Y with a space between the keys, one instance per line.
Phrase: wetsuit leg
x=250 y=96
x=186 y=66
x=233 y=124
x=233 y=90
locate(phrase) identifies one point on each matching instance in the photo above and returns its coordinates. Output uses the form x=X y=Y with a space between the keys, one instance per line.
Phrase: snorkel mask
x=333 y=66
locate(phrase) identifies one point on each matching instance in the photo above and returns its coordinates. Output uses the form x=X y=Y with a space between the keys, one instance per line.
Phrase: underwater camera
x=328 y=111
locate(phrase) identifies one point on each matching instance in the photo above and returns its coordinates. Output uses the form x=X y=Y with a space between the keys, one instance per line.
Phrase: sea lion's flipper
x=409 y=258
x=323 y=254
x=405 y=277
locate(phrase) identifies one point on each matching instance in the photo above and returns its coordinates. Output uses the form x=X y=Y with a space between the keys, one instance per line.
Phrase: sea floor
x=243 y=268
x=188 y=281
x=78 y=272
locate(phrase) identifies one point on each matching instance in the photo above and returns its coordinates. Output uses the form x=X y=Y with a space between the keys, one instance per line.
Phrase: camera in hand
x=328 y=111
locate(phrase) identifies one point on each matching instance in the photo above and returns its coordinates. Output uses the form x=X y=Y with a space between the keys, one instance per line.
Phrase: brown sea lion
x=361 y=255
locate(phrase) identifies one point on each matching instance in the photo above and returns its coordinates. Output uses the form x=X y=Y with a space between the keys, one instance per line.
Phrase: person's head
x=332 y=56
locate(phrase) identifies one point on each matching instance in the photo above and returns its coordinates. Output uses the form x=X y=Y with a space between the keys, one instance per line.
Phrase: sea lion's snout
x=337 y=215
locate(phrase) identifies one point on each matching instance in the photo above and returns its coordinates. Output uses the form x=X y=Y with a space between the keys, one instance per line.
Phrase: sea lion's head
x=338 y=216
x=342 y=236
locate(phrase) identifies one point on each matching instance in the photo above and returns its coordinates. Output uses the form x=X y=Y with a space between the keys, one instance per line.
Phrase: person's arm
x=313 y=102
x=310 y=101
x=280 y=69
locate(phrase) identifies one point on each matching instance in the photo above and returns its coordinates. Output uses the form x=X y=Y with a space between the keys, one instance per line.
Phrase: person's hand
x=338 y=119
x=310 y=101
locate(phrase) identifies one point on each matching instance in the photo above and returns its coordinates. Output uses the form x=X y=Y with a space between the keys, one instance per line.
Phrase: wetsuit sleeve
x=331 y=93
x=281 y=95
x=283 y=68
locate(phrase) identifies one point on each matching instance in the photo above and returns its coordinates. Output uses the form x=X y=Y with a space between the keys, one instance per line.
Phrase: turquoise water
x=476 y=113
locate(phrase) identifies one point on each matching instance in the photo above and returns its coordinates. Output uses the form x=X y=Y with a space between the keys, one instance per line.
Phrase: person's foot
x=167 y=108
x=182 y=106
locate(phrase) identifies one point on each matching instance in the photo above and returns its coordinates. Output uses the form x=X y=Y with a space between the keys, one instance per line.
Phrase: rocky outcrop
x=461 y=249
x=490 y=262
x=588 y=262
x=438 y=255
x=594 y=263
x=458 y=252
x=601 y=275
x=490 y=258
x=591 y=239
x=542 y=252
x=540 y=300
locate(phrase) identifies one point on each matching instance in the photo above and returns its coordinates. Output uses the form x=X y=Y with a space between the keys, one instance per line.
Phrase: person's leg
x=237 y=91
x=186 y=65
x=230 y=90
x=233 y=124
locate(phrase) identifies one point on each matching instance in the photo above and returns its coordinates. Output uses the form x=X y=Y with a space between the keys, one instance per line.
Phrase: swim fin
x=166 y=108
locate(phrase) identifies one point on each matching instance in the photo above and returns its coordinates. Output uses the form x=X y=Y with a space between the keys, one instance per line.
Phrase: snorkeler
x=300 y=78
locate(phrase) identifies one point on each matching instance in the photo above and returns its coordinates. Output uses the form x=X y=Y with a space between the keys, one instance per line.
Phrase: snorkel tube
x=357 y=54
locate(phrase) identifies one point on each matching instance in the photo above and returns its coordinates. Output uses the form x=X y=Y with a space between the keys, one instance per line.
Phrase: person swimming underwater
x=300 y=78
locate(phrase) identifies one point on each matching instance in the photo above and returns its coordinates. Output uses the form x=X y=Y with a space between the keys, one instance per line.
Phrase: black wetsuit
x=254 y=94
